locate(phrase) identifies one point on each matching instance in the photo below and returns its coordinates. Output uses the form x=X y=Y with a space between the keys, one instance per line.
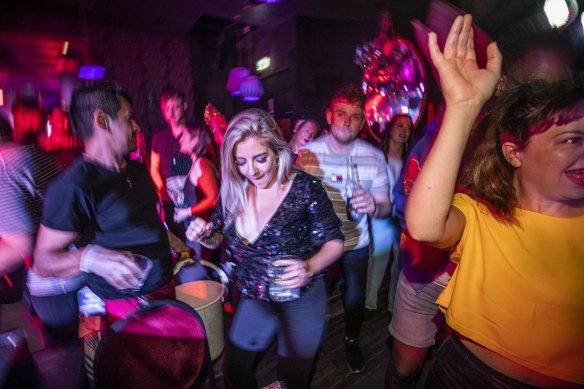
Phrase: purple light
x=251 y=89
x=236 y=75
x=91 y=72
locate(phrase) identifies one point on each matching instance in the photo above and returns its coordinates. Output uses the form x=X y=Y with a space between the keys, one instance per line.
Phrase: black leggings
x=239 y=369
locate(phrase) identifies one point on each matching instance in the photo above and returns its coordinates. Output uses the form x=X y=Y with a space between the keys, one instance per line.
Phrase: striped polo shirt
x=25 y=171
x=316 y=158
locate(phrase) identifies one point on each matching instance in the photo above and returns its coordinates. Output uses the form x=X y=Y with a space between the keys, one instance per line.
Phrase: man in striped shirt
x=25 y=170
x=327 y=158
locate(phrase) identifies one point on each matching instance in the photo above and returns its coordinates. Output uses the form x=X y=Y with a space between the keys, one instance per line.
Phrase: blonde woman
x=305 y=130
x=268 y=210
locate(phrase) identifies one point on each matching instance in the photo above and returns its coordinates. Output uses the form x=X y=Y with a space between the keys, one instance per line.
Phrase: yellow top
x=519 y=291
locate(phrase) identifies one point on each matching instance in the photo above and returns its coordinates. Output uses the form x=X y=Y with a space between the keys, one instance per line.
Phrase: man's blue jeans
x=354 y=264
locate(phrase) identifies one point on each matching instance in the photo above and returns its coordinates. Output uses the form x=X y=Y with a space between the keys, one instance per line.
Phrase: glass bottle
x=351 y=186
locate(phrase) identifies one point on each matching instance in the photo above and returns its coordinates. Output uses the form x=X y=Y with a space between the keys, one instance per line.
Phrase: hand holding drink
x=288 y=274
x=175 y=187
x=352 y=189
x=122 y=270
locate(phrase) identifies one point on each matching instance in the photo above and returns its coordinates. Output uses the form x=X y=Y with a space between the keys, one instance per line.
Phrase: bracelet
x=307 y=269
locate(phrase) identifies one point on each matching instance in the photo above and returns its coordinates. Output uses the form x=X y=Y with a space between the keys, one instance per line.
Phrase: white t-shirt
x=316 y=158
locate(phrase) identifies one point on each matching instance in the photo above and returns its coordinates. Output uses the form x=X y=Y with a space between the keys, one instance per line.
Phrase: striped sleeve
x=24 y=174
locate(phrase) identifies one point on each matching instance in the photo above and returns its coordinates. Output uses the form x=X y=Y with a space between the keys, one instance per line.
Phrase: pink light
x=236 y=75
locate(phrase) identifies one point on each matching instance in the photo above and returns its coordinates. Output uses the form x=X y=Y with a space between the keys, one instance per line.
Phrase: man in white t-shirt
x=326 y=158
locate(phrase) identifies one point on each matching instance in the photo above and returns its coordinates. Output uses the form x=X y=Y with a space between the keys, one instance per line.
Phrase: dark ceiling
x=504 y=20
x=182 y=16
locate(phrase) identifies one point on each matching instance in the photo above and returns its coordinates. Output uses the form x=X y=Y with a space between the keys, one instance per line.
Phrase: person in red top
x=200 y=186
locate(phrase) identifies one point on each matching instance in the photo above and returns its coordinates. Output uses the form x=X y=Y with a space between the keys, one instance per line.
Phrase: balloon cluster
x=393 y=77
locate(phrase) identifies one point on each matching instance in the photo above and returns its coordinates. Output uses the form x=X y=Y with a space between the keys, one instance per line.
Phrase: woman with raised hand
x=267 y=211
x=515 y=300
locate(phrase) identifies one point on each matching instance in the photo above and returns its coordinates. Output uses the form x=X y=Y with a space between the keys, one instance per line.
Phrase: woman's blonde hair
x=251 y=123
x=299 y=125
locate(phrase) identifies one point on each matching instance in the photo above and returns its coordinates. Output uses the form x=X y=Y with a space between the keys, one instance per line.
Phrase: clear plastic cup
x=275 y=290
x=145 y=264
x=177 y=196
x=175 y=189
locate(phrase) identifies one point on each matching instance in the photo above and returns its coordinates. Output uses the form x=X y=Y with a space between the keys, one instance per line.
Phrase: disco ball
x=394 y=81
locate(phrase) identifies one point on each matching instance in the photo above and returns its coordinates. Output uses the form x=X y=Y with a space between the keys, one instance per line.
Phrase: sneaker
x=355 y=359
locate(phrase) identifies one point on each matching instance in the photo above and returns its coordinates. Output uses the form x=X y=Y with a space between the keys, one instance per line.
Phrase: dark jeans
x=456 y=367
x=298 y=326
x=354 y=264
x=176 y=228
x=60 y=315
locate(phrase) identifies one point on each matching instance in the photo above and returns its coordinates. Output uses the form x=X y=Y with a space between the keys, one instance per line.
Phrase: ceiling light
x=236 y=75
x=559 y=12
x=251 y=89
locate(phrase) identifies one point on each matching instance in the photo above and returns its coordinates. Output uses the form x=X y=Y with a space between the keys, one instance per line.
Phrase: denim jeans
x=385 y=235
x=456 y=367
x=55 y=302
x=354 y=264
x=298 y=325
x=60 y=315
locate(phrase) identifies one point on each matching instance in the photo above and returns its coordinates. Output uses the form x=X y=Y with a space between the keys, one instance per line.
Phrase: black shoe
x=355 y=359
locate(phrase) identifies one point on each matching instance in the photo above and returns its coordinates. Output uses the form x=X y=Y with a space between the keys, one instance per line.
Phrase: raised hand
x=462 y=81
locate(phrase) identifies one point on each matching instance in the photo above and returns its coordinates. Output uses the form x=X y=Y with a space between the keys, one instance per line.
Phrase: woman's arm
x=155 y=173
x=299 y=273
x=465 y=87
x=207 y=182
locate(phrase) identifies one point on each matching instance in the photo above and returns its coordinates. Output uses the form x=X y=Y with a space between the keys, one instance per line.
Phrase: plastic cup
x=145 y=264
x=277 y=292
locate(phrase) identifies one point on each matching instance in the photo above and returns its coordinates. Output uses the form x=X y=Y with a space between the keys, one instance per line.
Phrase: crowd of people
x=479 y=223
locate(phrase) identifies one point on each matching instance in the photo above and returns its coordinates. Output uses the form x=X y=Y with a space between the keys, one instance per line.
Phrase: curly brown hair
x=515 y=116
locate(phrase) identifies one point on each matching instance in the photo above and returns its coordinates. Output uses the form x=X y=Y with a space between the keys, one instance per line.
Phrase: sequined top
x=303 y=222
